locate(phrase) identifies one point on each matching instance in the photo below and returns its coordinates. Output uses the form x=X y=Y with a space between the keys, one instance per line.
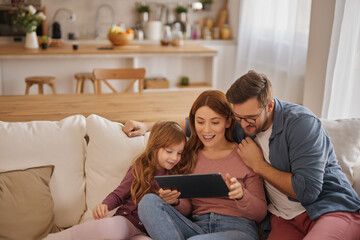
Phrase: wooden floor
x=146 y=106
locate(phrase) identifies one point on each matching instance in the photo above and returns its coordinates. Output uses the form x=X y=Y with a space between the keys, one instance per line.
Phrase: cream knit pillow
x=109 y=155
x=60 y=143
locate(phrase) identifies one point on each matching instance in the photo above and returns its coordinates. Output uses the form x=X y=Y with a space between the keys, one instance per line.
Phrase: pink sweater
x=252 y=205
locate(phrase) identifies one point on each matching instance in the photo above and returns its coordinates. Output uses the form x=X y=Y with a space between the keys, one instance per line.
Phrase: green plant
x=184 y=81
x=181 y=9
x=207 y=1
x=29 y=19
x=44 y=39
x=143 y=8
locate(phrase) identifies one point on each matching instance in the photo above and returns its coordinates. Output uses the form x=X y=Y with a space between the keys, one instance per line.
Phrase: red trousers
x=336 y=225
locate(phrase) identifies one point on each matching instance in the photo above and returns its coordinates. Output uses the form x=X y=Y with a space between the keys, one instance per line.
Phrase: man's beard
x=260 y=129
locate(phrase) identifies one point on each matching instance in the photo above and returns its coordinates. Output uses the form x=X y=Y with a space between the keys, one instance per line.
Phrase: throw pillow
x=26 y=204
x=109 y=155
x=60 y=143
x=345 y=136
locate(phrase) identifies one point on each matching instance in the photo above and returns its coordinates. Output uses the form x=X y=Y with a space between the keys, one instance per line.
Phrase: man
x=309 y=196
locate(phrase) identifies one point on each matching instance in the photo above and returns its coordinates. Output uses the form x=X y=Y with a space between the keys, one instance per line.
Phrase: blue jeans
x=162 y=221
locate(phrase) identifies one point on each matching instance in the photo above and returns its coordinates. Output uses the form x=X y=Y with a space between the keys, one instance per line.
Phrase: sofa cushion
x=59 y=143
x=26 y=204
x=345 y=136
x=110 y=153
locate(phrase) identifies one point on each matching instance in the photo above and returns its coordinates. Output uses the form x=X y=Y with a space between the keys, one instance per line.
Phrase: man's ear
x=271 y=106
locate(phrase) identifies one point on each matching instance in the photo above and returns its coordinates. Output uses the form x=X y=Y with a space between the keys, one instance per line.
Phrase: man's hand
x=134 y=128
x=253 y=157
x=236 y=190
x=251 y=154
x=169 y=196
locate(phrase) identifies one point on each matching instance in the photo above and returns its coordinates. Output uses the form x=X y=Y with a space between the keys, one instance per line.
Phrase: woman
x=210 y=149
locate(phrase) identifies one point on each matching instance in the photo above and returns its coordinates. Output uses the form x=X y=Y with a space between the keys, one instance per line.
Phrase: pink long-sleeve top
x=121 y=196
x=252 y=205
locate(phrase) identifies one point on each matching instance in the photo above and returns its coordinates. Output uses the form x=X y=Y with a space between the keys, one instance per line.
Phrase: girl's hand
x=236 y=190
x=169 y=196
x=100 y=211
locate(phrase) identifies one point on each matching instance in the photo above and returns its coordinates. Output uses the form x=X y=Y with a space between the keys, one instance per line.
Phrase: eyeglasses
x=248 y=120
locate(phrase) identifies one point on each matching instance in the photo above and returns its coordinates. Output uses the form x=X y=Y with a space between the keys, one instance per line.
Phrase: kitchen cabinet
x=191 y=60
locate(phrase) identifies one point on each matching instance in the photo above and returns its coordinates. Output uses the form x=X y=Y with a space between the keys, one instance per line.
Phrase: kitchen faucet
x=97 y=17
x=72 y=15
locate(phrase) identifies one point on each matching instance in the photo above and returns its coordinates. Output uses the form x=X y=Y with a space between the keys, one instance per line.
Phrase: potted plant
x=181 y=13
x=181 y=9
x=144 y=10
x=29 y=20
x=206 y=4
x=44 y=41
x=184 y=81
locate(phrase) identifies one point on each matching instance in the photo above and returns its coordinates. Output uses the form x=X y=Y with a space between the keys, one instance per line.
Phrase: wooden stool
x=40 y=80
x=80 y=79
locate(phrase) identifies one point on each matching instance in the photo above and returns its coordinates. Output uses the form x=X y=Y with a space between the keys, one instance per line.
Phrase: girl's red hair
x=163 y=134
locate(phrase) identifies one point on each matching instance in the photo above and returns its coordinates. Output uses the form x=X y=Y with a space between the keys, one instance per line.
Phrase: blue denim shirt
x=300 y=145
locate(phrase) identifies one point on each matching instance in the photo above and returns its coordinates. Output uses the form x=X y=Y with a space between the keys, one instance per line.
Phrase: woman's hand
x=100 y=211
x=170 y=196
x=236 y=190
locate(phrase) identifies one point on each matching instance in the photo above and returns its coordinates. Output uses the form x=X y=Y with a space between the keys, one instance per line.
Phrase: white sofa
x=34 y=202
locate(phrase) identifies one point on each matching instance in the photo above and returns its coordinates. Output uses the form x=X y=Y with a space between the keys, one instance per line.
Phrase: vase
x=31 y=41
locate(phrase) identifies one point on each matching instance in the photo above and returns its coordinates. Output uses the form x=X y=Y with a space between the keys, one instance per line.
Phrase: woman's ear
x=228 y=122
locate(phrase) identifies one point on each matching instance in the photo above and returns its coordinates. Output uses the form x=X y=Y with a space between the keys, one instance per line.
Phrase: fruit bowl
x=121 y=38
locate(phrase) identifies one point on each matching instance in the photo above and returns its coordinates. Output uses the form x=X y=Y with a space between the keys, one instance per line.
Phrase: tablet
x=195 y=185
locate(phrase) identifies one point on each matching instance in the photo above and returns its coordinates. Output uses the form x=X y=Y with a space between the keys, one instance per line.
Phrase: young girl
x=210 y=149
x=162 y=156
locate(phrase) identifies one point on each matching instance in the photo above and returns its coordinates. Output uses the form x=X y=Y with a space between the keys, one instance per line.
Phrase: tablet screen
x=195 y=185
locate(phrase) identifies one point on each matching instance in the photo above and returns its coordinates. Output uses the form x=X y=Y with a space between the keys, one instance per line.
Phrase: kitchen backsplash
x=124 y=12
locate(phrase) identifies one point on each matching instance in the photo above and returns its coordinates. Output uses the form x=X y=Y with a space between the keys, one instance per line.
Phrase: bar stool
x=40 y=80
x=81 y=78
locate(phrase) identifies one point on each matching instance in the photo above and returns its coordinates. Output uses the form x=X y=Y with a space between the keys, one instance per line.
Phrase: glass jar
x=225 y=32
x=177 y=38
x=166 y=36
x=216 y=33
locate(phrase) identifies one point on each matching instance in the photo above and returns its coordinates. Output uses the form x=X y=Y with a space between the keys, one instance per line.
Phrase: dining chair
x=133 y=74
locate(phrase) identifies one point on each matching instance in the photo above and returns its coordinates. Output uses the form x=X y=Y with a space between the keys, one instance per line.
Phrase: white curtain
x=342 y=86
x=273 y=39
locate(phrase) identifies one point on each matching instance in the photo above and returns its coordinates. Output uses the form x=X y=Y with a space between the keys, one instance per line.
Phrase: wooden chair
x=134 y=74
x=40 y=81
x=80 y=81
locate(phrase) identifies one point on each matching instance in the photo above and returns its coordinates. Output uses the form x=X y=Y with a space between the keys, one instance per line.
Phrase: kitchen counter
x=18 y=49
x=191 y=60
